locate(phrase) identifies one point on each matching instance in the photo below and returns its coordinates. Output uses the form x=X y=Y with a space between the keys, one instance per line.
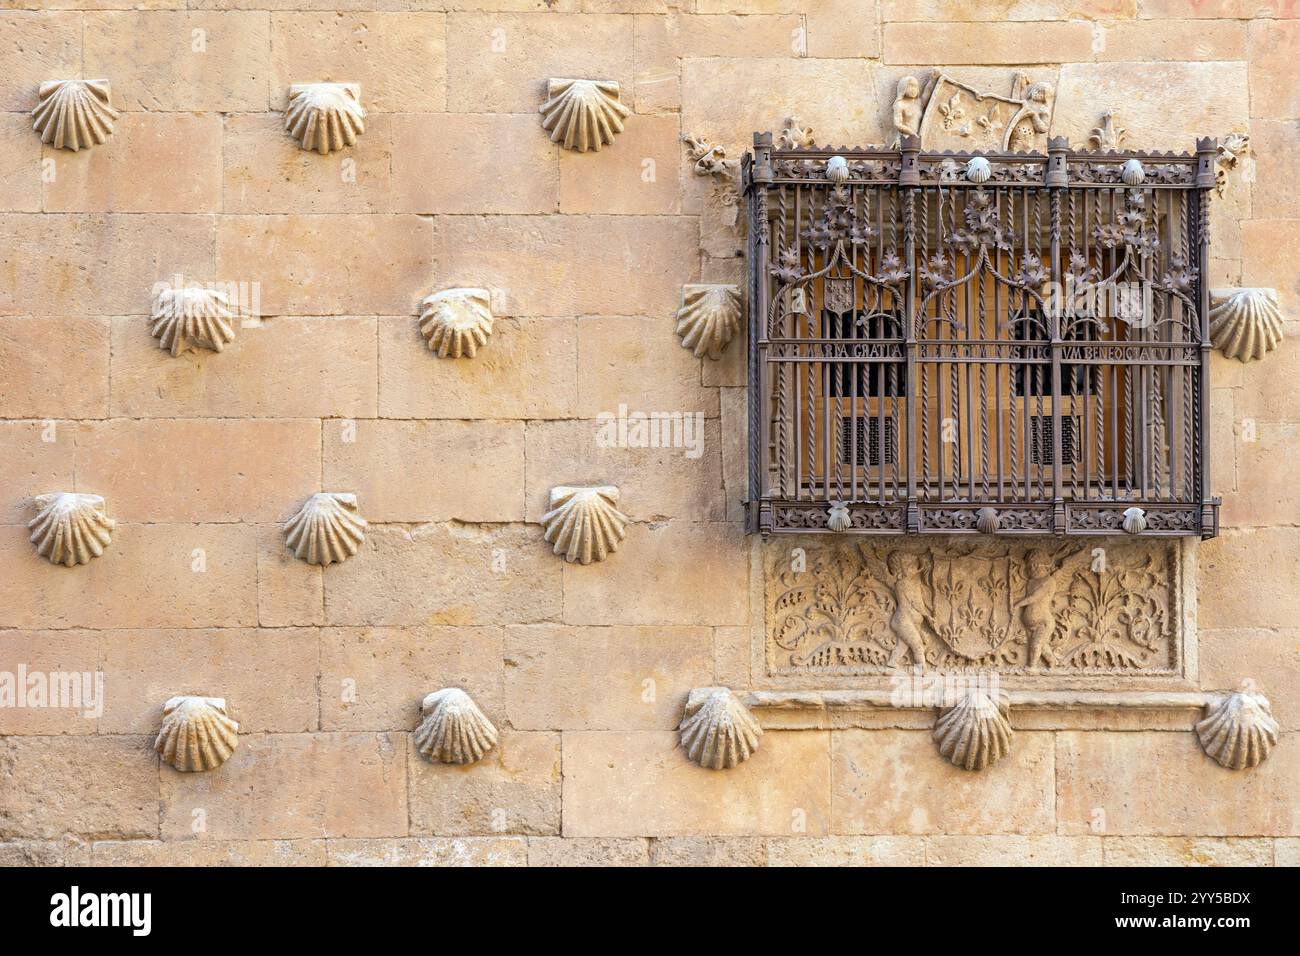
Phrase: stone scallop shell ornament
x=73 y=114
x=456 y=322
x=327 y=529
x=583 y=114
x=709 y=318
x=197 y=734
x=975 y=732
x=717 y=731
x=325 y=117
x=1245 y=324
x=453 y=730
x=1238 y=731
x=584 y=524
x=191 y=318
x=978 y=170
x=70 y=528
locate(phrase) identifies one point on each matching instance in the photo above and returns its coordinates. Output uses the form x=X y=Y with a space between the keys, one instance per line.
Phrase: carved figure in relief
x=1035 y=119
x=911 y=603
x=907 y=108
x=1037 y=606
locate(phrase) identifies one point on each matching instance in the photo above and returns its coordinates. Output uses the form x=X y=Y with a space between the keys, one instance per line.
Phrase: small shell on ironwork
x=837 y=169
x=975 y=732
x=1245 y=324
x=584 y=524
x=1132 y=173
x=1135 y=520
x=327 y=529
x=325 y=116
x=456 y=322
x=838 y=517
x=1238 y=731
x=583 y=114
x=454 y=730
x=197 y=734
x=190 y=318
x=718 y=731
x=70 y=528
x=986 y=522
x=73 y=114
x=709 y=318
x=978 y=169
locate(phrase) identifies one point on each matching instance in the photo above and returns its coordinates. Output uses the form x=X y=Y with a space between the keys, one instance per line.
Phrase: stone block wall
x=585 y=669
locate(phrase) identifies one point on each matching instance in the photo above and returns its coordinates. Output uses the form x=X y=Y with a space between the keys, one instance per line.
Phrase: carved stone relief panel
x=1025 y=608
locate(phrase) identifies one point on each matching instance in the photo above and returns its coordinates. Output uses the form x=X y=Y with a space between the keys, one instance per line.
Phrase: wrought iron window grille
x=931 y=338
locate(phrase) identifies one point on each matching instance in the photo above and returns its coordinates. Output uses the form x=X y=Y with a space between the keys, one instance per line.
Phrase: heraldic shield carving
x=1019 y=607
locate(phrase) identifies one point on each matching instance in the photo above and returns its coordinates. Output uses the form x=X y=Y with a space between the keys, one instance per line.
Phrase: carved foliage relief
x=1018 y=607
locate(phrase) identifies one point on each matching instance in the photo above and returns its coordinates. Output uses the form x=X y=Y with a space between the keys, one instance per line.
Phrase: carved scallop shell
x=975 y=732
x=986 y=521
x=584 y=524
x=325 y=116
x=717 y=731
x=838 y=517
x=456 y=322
x=73 y=114
x=978 y=170
x=453 y=730
x=326 y=529
x=837 y=169
x=197 y=734
x=186 y=319
x=1135 y=520
x=1245 y=324
x=1132 y=172
x=583 y=114
x=70 y=528
x=1238 y=731
x=709 y=318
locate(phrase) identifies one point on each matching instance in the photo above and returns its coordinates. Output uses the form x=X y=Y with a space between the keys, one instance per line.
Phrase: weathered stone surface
x=272 y=690
x=208 y=853
x=1271 y=258
x=398 y=58
x=1175 y=40
x=526 y=372
x=98 y=264
x=33 y=853
x=313 y=265
x=1103 y=785
x=45 y=794
x=638 y=176
x=148 y=578
x=843 y=28
x=1271 y=142
x=32 y=465
x=669 y=573
x=1271 y=392
x=1274 y=47
x=514 y=788
x=392 y=465
x=708 y=851
x=654 y=483
x=499 y=62
x=558 y=851
x=475 y=146
x=20 y=174
x=60 y=666
x=293 y=786
x=1269 y=659
x=485 y=575
x=374 y=678
x=1264 y=494
x=891 y=781
x=735 y=455
x=635 y=361
x=1186 y=851
x=165 y=61
x=571 y=265
x=1286 y=852
x=846 y=851
x=289 y=592
x=933 y=10
x=281 y=367
x=1232 y=567
x=267 y=171
x=200 y=470
x=640 y=784
x=38 y=46
x=1013 y=851
x=485 y=851
x=1010 y=43
x=648 y=671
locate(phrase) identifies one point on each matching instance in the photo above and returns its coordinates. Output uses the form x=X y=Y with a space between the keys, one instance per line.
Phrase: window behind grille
x=1041 y=446
x=872 y=440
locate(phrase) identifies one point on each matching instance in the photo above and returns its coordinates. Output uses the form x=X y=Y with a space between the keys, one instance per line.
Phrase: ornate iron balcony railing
x=1011 y=343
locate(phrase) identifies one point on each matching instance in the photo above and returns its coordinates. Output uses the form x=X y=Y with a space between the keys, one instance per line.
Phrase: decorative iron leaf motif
x=1130 y=227
x=983 y=227
x=840 y=221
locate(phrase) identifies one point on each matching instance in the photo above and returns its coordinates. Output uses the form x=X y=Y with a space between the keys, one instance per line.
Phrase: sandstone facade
x=579 y=258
